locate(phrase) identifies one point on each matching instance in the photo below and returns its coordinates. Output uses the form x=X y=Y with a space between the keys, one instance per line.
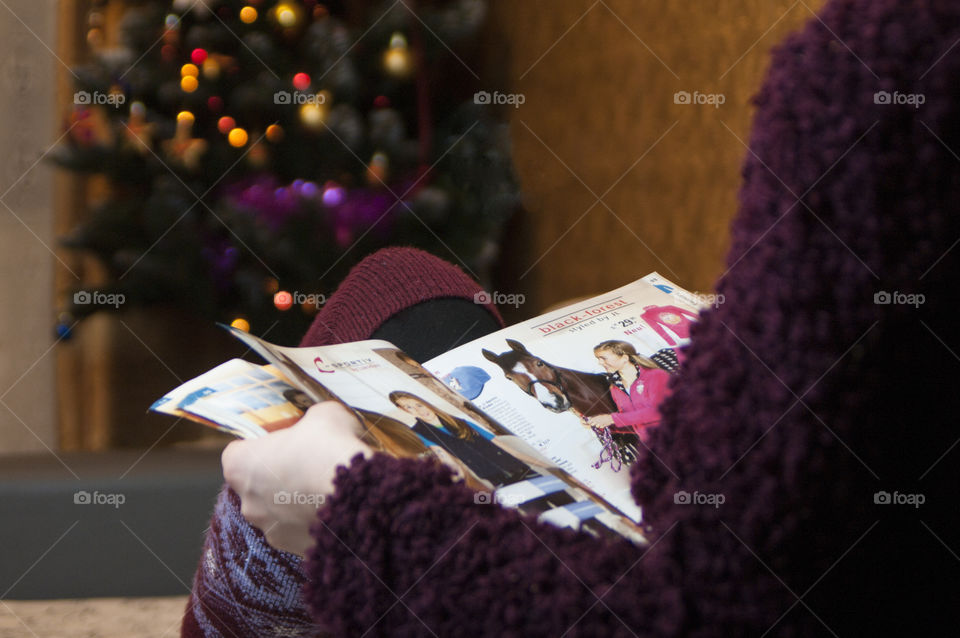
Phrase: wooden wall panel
x=599 y=81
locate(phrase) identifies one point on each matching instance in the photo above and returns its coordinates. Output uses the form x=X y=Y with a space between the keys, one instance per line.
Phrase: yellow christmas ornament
x=287 y=14
x=189 y=83
x=240 y=324
x=189 y=70
x=248 y=15
x=237 y=137
x=397 y=59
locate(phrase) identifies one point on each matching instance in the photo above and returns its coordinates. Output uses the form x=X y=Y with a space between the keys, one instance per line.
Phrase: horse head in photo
x=557 y=389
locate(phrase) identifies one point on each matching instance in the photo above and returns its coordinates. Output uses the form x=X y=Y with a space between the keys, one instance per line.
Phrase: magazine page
x=261 y=400
x=406 y=411
x=581 y=384
x=237 y=397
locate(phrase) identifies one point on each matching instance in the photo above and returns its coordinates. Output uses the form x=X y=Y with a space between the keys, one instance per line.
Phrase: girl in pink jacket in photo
x=637 y=386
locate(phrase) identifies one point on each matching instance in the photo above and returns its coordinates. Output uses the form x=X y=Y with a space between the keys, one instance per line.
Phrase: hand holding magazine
x=545 y=416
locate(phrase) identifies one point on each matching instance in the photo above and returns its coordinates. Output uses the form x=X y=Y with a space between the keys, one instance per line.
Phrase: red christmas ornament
x=283 y=300
x=198 y=56
x=381 y=101
x=226 y=124
x=215 y=103
x=301 y=81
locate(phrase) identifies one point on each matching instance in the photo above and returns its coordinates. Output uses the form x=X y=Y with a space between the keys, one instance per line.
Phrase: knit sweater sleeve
x=404 y=550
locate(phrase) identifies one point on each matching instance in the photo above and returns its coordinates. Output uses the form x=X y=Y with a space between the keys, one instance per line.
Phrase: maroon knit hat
x=383 y=284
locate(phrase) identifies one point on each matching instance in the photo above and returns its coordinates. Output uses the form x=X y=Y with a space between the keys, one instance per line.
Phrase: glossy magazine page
x=582 y=384
x=406 y=411
x=545 y=416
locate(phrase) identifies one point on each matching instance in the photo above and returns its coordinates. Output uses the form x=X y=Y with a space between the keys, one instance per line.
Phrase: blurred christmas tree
x=257 y=149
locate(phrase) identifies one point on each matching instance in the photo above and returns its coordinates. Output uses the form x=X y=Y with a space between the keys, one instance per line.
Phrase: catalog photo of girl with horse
x=637 y=385
x=618 y=404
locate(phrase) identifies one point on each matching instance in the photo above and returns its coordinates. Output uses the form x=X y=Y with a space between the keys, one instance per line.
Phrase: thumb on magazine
x=282 y=478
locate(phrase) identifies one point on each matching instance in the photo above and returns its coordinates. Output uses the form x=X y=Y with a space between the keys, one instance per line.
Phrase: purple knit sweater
x=800 y=399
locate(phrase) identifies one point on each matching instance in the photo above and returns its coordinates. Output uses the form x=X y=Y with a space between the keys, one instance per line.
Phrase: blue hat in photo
x=467 y=380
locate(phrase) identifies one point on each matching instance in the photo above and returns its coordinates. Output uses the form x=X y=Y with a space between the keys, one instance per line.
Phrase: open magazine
x=546 y=416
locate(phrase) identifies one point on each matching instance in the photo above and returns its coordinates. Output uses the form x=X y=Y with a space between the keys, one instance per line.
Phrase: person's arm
x=639 y=418
x=402 y=550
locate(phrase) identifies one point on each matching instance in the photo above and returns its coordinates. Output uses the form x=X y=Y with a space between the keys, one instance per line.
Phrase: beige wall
x=599 y=81
x=27 y=129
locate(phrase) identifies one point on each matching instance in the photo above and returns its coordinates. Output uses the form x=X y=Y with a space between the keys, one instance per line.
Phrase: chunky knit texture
x=243 y=587
x=800 y=401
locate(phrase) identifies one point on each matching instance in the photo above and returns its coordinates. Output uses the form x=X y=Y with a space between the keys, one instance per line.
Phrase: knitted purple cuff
x=377 y=506
x=380 y=286
x=403 y=550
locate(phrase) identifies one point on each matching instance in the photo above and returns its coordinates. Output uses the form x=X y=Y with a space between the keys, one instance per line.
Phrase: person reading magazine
x=806 y=406
x=531 y=446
